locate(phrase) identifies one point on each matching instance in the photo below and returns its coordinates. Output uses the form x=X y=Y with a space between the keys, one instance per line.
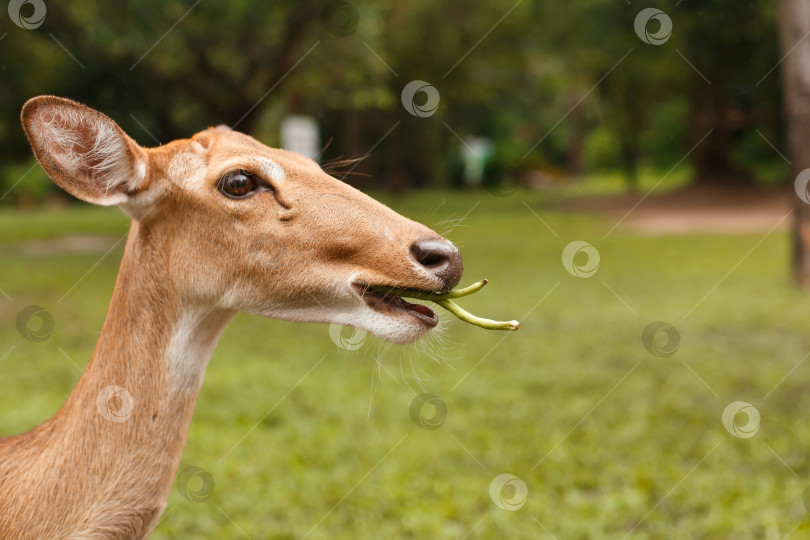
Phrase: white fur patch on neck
x=192 y=343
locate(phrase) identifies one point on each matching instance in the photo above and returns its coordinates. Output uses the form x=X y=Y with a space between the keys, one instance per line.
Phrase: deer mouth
x=392 y=304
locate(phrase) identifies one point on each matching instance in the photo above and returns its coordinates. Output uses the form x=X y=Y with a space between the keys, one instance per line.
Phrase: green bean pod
x=433 y=297
x=444 y=300
x=468 y=317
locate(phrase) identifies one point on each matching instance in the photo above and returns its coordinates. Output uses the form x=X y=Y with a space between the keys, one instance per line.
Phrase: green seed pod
x=445 y=300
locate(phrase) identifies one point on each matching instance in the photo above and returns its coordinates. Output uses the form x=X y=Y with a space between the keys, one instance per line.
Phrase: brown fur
x=192 y=255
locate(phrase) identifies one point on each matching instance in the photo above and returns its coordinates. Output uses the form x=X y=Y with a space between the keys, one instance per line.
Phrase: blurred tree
x=794 y=26
x=572 y=81
x=729 y=45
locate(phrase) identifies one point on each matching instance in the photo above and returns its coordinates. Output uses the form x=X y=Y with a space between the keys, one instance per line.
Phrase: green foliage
x=667 y=129
x=602 y=149
x=553 y=76
x=25 y=183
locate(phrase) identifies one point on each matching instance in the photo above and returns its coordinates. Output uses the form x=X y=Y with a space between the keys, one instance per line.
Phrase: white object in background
x=300 y=134
x=476 y=152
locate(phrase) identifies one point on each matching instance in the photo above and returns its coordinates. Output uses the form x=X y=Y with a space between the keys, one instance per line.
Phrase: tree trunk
x=711 y=158
x=397 y=180
x=576 y=137
x=794 y=24
x=631 y=119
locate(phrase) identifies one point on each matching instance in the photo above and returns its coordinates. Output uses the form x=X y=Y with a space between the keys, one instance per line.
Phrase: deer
x=220 y=223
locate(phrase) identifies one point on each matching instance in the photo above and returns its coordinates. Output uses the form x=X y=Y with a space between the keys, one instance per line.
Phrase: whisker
x=373 y=391
x=440 y=205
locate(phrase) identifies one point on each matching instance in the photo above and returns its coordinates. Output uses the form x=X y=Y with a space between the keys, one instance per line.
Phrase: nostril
x=428 y=258
x=433 y=259
x=440 y=258
x=429 y=254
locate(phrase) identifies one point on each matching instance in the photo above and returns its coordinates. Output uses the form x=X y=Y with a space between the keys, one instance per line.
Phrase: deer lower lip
x=380 y=301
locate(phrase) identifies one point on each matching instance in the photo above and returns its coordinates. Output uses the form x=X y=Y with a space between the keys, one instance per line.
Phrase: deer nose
x=442 y=259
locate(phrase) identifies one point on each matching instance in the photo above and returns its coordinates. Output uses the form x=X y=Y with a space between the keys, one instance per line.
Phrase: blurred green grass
x=623 y=439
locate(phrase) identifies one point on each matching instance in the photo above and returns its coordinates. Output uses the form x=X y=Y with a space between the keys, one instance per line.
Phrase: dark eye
x=237 y=184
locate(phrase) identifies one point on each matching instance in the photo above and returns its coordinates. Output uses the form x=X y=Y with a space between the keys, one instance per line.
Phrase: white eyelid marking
x=270 y=169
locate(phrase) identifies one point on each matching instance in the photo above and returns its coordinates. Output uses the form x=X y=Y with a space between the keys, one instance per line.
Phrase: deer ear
x=84 y=151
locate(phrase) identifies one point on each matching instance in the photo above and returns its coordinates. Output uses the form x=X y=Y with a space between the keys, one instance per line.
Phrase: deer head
x=248 y=227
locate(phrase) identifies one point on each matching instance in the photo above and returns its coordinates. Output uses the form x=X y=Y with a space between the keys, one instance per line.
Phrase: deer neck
x=155 y=345
x=154 y=338
x=120 y=435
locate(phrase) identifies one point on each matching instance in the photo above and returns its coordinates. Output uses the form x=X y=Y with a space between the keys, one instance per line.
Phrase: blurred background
x=630 y=177
x=343 y=66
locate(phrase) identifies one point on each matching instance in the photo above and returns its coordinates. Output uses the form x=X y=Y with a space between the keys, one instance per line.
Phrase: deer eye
x=238 y=184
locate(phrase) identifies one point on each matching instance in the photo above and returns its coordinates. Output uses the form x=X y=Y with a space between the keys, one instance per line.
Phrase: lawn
x=304 y=439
